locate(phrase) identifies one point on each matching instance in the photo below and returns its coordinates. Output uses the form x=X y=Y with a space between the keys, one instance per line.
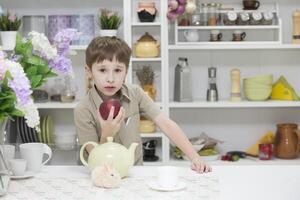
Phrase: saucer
x=155 y=186
x=27 y=174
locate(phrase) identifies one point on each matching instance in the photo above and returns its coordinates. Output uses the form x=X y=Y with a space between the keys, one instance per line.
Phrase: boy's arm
x=174 y=132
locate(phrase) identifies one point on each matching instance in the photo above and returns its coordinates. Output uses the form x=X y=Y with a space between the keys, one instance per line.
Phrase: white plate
x=27 y=174
x=155 y=186
x=210 y=158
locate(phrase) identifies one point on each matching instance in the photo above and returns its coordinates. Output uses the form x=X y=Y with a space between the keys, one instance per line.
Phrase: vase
x=150 y=90
x=8 y=39
x=4 y=173
x=108 y=32
x=3 y=123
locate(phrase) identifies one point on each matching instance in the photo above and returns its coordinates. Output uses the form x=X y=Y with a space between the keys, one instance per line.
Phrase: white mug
x=191 y=35
x=33 y=153
x=9 y=152
x=167 y=176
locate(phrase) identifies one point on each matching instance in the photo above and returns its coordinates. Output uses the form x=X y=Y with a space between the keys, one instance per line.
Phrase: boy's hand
x=199 y=166
x=111 y=126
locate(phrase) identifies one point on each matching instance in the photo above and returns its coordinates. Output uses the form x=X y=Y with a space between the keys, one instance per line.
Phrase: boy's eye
x=118 y=70
x=102 y=70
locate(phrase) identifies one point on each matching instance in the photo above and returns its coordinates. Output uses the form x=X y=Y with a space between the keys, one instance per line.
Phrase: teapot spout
x=131 y=152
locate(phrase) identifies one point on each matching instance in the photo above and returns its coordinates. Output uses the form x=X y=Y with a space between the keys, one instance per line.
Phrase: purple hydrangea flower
x=61 y=64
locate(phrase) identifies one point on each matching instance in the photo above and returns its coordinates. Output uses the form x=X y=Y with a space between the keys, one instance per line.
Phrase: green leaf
x=35 y=81
x=17 y=113
x=31 y=71
x=43 y=69
x=51 y=74
x=35 y=60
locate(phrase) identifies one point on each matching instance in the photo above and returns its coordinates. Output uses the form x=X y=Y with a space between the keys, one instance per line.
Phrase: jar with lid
x=268 y=18
x=195 y=20
x=230 y=18
x=56 y=90
x=256 y=18
x=243 y=18
x=219 y=14
x=204 y=14
x=212 y=14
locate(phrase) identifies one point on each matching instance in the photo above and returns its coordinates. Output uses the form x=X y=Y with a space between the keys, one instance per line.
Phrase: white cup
x=18 y=166
x=33 y=153
x=167 y=176
x=9 y=152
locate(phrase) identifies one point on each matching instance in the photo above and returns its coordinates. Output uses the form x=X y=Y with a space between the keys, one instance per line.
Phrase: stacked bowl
x=258 y=88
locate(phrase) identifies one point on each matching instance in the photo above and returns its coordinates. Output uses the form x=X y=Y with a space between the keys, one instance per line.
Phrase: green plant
x=9 y=22
x=109 y=19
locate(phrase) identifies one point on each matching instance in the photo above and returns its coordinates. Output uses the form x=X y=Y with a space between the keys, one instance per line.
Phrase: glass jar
x=56 y=90
x=243 y=18
x=4 y=173
x=204 y=14
x=268 y=18
x=256 y=18
x=219 y=14
x=68 y=94
x=195 y=20
x=230 y=18
x=212 y=14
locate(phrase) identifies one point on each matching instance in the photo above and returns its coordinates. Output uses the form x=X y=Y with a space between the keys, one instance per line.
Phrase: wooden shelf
x=242 y=104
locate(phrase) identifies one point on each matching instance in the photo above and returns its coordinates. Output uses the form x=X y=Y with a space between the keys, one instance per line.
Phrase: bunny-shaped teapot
x=110 y=152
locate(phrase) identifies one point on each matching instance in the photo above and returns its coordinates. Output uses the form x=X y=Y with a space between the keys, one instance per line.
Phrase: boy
x=107 y=61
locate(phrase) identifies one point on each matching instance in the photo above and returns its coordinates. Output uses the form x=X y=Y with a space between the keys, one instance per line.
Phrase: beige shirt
x=135 y=102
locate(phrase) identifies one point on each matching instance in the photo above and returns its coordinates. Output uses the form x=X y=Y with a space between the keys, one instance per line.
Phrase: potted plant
x=108 y=22
x=9 y=25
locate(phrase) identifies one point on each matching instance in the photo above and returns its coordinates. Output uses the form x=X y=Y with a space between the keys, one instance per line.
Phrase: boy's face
x=108 y=76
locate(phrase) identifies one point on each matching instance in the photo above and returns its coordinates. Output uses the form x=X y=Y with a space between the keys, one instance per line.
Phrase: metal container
x=212 y=91
x=183 y=84
x=34 y=23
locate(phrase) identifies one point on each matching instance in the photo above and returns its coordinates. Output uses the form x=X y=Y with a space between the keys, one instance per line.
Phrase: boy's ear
x=88 y=71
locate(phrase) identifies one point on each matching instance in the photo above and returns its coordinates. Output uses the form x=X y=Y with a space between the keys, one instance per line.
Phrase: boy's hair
x=107 y=48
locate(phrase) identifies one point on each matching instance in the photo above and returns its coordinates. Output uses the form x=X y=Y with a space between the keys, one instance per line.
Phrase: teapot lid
x=146 y=38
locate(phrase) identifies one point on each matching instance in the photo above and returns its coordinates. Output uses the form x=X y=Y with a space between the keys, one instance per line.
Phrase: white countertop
x=225 y=182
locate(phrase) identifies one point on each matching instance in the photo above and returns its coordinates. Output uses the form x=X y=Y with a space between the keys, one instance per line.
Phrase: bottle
x=212 y=91
x=183 y=84
x=68 y=94
x=296 y=27
x=212 y=14
x=235 y=85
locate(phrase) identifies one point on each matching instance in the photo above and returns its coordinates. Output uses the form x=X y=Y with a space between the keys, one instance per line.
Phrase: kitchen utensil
x=286 y=141
x=212 y=92
x=191 y=35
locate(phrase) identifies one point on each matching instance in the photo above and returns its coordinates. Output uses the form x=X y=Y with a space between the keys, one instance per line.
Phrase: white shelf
x=78 y=47
x=241 y=27
x=245 y=161
x=146 y=59
x=56 y=105
x=229 y=43
x=151 y=135
x=228 y=104
x=232 y=46
x=146 y=24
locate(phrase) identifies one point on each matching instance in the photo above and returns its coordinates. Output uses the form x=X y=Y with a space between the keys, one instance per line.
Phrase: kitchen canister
x=57 y=23
x=33 y=23
x=296 y=27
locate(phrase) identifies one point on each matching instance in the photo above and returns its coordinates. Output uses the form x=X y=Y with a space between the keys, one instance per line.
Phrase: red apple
x=106 y=106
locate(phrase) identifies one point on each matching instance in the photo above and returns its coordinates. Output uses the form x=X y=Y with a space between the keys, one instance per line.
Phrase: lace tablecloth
x=135 y=187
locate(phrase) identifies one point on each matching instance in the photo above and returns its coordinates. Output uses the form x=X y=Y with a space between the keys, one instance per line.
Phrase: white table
x=225 y=182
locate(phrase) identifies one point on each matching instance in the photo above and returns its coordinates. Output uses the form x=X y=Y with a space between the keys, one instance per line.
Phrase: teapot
x=146 y=47
x=191 y=35
x=109 y=152
x=287 y=141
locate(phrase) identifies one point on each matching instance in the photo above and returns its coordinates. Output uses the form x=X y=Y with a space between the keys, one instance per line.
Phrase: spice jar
x=296 y=27
x=195 y=20
x=267 y=18
x=219 y=14
x=230 y=18
x=256 y=18
x=243 y=18
x=212 y=14
x=204 y=14
x=68 y=93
